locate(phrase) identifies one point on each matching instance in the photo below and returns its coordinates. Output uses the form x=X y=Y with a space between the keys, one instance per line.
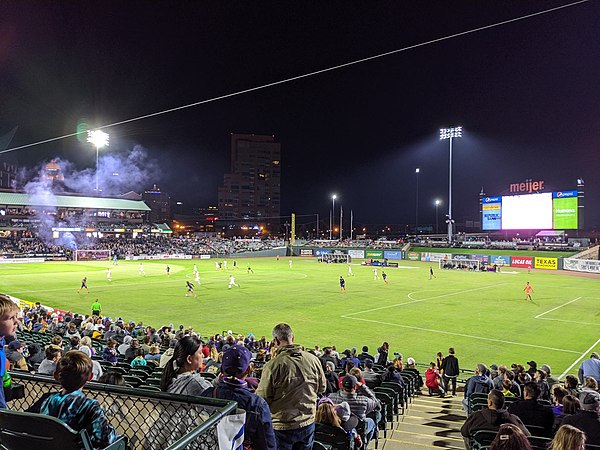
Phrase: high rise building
x=252 y=190
x=159 y=203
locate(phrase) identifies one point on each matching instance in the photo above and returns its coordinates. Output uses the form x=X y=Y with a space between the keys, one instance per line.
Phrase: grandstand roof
x=67 y=201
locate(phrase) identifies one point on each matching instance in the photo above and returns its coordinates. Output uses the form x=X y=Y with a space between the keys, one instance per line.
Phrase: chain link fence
x=150 y=420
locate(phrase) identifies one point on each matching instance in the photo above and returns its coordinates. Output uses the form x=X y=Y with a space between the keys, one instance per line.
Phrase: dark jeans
x=298 y=439
x=447 y=381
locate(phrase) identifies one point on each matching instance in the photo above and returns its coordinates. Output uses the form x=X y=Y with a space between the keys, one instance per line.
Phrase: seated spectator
x=125 y=345
x=568 y=438
x=365 y=355
x=432 y=381
x=510 y=437
x=370 y=376
x=572 y=385
x=331 y=377
x=71 y=331
x=330 y=415
x=114 y=378
x=590 y=368
x=154 y=355
x=56 y=342
x=180 y=374
x=139 y=359
x=588 y=419
x=490 y=418
x=74 y=343
x=549 y=378
x=87 y=341
x=168 y=354
x=36 y=355
x=478 y=383
x=506 y=385
x=132 y=351
x=14 y=355
x=589 y=384
x=391 y=375
x=71 y=406
x=48 y=365
x=348 y=356
x=232 y=385
x=558 y=394
x=96 y=367
x=540 y=379
x=571 y=405
x=531 y=412
x=110 y=353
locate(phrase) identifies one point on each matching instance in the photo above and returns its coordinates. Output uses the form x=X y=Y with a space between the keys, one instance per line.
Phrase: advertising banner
x=413 y=256
x=483 y=259
x=460 y=257
x=500 y=260
x=546 y=263
x=430 y=256
x=564 y=211
x=359 y=254
x=521 y=261
x=392 y=254
x=321 y=251
x=581 y=265
x=491 y=211
x=305 y=252
x=374 y=254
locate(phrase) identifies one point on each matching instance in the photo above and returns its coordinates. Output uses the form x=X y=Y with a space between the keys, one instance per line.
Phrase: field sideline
x=482 y=315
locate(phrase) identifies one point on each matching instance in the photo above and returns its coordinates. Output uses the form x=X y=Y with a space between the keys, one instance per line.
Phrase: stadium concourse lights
x=450 y=133
x=332 y=217
x=98 y=139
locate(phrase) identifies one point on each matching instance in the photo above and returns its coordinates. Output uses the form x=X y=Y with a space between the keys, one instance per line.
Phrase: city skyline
x=524 y=93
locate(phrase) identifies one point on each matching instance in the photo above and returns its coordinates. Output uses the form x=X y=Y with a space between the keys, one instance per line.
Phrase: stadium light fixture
x=332 y=218
x=437 y=204
x=98 y=139
x=417 y=171
x=450 y=133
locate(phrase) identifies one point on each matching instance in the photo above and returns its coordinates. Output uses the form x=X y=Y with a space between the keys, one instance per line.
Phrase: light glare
x=447 y=133
x=98 y=138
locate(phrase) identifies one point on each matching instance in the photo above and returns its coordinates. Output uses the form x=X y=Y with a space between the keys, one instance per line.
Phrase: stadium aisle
x=429 y=422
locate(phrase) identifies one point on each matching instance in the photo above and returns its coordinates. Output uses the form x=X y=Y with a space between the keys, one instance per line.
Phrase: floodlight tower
x=417 y=170
x=98 y=139
x=332 y=221
x=437 y=204
x=450 y=133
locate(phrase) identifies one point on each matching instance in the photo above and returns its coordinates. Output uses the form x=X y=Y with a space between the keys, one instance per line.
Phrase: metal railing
x=150 y=420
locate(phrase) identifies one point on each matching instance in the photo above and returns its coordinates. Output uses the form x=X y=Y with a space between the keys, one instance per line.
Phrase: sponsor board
x=359 y=254
x=322 y=251
x=305 y=252
x=483 y=259
x=521 y=261
x=21 y=260
x=581 y=265
x=500 y=260
x=392 y=254
x=546 y=263
x=432 y=256
x=460 y=257
x=374 y=254
x=413 y=256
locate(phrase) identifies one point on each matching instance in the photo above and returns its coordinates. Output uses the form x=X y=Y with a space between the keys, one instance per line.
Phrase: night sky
x=526 y=93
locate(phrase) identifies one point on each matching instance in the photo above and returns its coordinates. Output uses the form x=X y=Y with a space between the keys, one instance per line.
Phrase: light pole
x=98 y=139
x=450 y=133
x=332 y=219
x=437 y=204
x=417 y=170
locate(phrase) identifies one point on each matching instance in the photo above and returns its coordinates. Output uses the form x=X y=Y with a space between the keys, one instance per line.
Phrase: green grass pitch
x=483 y=315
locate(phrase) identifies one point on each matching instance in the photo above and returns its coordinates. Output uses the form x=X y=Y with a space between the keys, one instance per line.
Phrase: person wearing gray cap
x=588 y=419
x=590 y=368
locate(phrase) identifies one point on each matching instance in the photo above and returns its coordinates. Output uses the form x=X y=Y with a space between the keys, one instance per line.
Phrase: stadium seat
x=318 y=446
x=539 y=442
x=24 y=431
x=482 y=439
x=133 y=381
x=334 y=438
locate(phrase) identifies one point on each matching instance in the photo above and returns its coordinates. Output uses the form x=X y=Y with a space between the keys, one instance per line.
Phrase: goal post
x=91 y=255
x=460 y=264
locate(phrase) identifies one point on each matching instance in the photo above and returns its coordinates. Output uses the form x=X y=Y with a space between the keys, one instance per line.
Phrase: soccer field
x=483 y=315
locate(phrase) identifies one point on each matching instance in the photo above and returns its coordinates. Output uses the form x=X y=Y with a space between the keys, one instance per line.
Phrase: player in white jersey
x=108 y=275
x=232 y=282
x=141 y=270
x=350 y=274
x=195 y=270
x=290 y=263
x=375 y=276
x=225 y=265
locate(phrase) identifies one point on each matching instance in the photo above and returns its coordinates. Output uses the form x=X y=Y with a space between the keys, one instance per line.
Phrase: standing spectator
x=8 y=327
x=291 y=383
x=450 y=370
x=568 y=438
x=180 y=375
x=382 y=354
x=232 y=385
x=588 y=419
x=590 y=368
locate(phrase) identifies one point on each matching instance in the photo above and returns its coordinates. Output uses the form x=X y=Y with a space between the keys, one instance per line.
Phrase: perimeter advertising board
x=500 y=260
x=582 y=265
x=392 y=254
x=322 y=251
x=432 y=256
x=521 y=261
x=374 y=254
x=305 y=252
x=546 y=263
x=413 y=256
x=359 y=254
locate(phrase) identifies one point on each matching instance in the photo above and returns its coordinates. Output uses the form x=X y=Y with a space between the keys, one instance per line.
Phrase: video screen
x=544 y=211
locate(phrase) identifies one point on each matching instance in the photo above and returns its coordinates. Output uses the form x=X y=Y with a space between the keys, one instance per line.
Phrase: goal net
x=91 y=255
x=460 y=264
x=335 y=258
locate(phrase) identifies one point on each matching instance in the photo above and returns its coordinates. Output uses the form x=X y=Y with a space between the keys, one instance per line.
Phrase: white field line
x=422 y=300
x=569 y=321
x=555 y=308
x=583 y=355
x=482 y=338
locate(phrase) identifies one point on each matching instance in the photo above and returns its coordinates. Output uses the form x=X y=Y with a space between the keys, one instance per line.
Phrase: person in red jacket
x=432 y=381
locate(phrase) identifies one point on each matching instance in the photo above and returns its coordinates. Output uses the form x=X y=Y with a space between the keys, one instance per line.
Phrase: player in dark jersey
x=384 y=276
x=84 y=285
x=431 y=275
x=190 y=290
x=342 y=285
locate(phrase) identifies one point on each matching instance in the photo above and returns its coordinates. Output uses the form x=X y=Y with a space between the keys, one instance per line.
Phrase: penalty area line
x=579 y=359
x=555 y=308
x=481 y=338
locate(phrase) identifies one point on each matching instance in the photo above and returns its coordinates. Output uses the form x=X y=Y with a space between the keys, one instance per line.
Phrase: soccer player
x=375 y=276
x=108 y=277
x=290 y=263
x=350 y=274
x=217 y=265
x=528 y=291
x=115 y=259
x=234 y=265
x=250 y=268
x=197 y=279
x=342 y=285
x=224 y=264
x=83 y=285
x=168 y=269
x=232 y=282
x=141 y=270
x=190 y=289
x=431 y=275
x=384 y=276
x=195 y=270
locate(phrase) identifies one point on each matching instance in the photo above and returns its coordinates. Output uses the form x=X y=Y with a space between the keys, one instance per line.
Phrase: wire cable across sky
x=305 y=75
